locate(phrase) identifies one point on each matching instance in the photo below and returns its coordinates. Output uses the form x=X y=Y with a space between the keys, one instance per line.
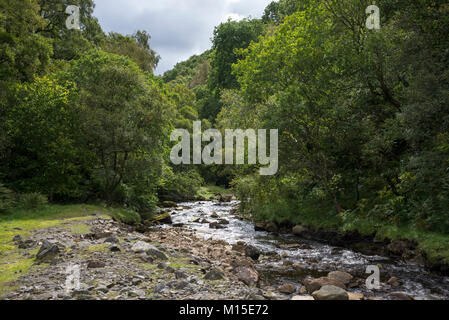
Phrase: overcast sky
x=179 y=28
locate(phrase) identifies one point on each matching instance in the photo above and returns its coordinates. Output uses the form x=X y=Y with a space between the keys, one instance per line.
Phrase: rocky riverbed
x=208 y=252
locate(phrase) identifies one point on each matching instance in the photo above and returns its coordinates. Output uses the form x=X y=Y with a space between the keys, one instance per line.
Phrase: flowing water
x=316 y=259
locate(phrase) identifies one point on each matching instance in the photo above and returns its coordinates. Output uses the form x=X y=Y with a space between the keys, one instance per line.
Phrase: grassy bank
x=15 y=262
x=433 y=246
x=209 y=191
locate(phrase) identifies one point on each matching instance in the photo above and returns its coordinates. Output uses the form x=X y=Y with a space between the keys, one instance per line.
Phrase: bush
x=31 y=201
x=180 y=185
x=7 y=199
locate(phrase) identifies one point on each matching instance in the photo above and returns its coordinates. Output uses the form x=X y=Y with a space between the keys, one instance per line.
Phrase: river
x=316 y=259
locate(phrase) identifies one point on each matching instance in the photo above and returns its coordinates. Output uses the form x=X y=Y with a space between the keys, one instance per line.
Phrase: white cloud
x=179 y=28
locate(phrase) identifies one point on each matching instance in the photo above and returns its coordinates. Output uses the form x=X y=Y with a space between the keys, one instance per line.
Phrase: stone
x=164 y=218
x=299 y=230
x=341 y=276
x=355 y=296
x=103 y=289
x=140 y=247
x=216 y=225
x=47 y=251
x=248 y=250
x=394 y=282
x=180 y=275
x=247 y=275
x=95 y=264
x=17 y=238
x=272 y=227
x=330 y=293
x=252 y=252
x=260 y=226
x=156 y=254
x=287 y=288
x=302 y=298
x=214 y=215
x=214 y=274
x=111 y=240
x=313 y=285
x=400 y=296
x=169 y=204
x=26 y=244
x=114 y=249
x=223 y=221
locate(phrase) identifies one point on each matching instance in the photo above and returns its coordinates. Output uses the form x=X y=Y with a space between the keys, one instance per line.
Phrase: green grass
x=14 y=264
x=209 y=191
x=125 y=216
x=434 y=246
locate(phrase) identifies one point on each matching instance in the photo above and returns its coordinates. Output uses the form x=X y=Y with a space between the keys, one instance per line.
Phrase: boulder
x=394 y=282
x=215 y=215
x=223 y=221
x=111 y=240
x=247 y=275
x=341 y=276
x=169 y=204
x=272 y=227
x=302 y=298
x=214 y=274
x=140 y=247
x=330 y=293
x=260 y=226
x=226 y=198
x=355 y=296
x=287 y=288
x=400 y=296
x=26 y=244
x=248 y=250
x=95 y=264
x=313 y=285
x=252 y=252
x=164 y=218
x=216 y=225
x=47 y=251
x=153 y=252
x=299 y=230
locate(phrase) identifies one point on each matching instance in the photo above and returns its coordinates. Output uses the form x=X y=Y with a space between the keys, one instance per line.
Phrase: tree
x=135 y=47
x=124 y=125
x=43 y=128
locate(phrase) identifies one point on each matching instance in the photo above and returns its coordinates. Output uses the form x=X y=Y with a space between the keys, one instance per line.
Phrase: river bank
x=409 y=246
x=203 y=251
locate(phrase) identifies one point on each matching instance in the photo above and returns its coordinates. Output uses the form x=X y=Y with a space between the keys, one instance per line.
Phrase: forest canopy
x=362 y=114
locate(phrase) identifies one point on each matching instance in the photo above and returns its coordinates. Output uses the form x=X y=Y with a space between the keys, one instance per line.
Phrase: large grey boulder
x=330 y=293
x=140 y=247
x=298 y=230
x=341 y=276
x=47 y=251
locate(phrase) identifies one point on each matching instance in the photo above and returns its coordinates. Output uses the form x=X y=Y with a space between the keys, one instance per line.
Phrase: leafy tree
x=42 y=126
x=123 y=125
x=135 y=47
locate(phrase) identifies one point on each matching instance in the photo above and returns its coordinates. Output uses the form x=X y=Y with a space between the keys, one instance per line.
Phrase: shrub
x=31 y=201
x=7 y=199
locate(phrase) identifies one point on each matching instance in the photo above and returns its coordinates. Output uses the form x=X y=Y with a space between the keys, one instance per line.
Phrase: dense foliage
x=362 y=114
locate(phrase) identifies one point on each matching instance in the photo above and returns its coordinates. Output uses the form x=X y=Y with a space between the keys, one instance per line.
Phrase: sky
x=178 y=28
